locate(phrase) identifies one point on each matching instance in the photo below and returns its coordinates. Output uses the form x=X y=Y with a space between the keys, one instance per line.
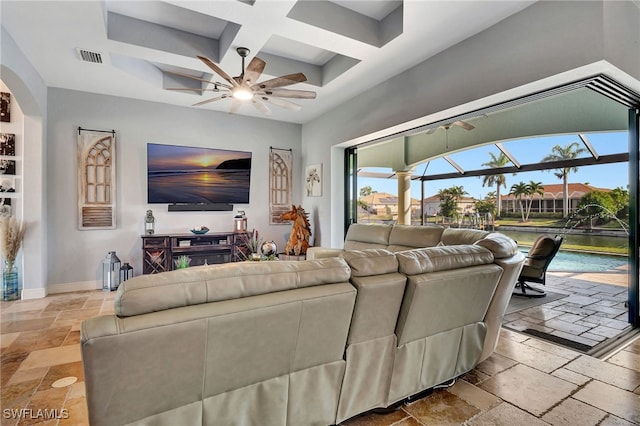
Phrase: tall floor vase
x=10 y=289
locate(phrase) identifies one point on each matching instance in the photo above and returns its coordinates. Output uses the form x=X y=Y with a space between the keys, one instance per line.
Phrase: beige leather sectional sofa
x=300 y=343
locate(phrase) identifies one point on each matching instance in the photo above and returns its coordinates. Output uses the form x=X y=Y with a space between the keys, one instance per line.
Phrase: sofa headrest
x=372 y=233
x=455 y=236
x=213 y=283
x=500 y=245
x=364 y=263
x=410 y=236
x=442 y=258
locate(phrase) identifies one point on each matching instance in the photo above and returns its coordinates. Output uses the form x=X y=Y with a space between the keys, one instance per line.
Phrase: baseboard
x=77 y=286
x=33 y=293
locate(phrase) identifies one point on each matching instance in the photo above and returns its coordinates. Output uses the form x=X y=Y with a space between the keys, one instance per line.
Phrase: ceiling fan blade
x=284 y=80
x=211 y=100
x=253 y=71
x=261 y=106
x=464 y=125
x=286 y=93
x=282 y=103
x=208 y=62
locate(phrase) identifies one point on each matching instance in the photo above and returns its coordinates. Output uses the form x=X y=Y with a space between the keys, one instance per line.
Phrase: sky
x=526 y=151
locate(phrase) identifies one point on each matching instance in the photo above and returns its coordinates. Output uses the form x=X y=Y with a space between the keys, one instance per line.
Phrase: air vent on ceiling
x=89 y=56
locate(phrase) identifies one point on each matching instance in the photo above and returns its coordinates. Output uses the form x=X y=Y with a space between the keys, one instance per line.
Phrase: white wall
x=74 y=256
x=30 y=92
x=15 y=127
x=545 y=45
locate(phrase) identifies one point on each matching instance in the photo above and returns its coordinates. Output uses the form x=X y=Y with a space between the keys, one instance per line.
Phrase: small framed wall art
x=8 y=144
x=313 y=180
x=5 y=107
x=7 y=167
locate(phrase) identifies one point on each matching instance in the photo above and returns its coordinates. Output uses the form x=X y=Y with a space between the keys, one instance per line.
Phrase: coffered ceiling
x=344 y=47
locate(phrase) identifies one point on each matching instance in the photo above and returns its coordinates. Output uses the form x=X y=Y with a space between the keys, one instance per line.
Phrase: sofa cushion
x=372 y=234
x=364 y=263
x=405 y=237
x=455 y=236
x=500 y=245
x=213 y=283
x=442 y=258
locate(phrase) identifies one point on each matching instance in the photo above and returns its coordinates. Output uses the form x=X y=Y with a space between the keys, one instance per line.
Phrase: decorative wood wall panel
x=280 y=172
x=96 y=179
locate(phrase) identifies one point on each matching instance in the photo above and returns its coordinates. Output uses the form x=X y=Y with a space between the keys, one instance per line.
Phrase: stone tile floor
x=591 y=310
x=526 y=381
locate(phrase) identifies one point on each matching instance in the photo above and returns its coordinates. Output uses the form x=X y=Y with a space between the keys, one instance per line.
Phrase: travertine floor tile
x=76 y=413
x=9 y=364
x=621 y=377
x=552 y=349
x=512 y=335
x=65 y=304
x=475 y=376
x=634 y=346
x=623 y=404
x=27 y=375
x=26 y=325
x=7 y=339
x=571 y=376
x=372 y=419
x=530 y=356
x=505 y=415
x=572 y=412
x=626 y=359
x=495 y=364
x=56 y=372
x=45 y=405
x=475 y=396
x=612 y=420
x=40 y=339
x=441 y=408
x=53 y=356
x=521 y=386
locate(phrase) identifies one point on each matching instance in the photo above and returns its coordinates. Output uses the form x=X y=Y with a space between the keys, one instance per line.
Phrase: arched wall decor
x=96 y=179
x=280 y=171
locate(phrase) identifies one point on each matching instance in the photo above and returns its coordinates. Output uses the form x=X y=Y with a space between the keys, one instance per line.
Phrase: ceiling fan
x=447 y=126
x=245 y=87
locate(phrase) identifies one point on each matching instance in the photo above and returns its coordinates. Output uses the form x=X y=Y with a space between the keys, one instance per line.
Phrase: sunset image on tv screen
x=192 y=175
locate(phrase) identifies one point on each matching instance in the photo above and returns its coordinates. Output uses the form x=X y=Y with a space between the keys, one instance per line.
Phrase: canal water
x=569 y=261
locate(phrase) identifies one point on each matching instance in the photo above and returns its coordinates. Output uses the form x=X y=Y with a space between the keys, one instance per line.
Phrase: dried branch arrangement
x=11 y=235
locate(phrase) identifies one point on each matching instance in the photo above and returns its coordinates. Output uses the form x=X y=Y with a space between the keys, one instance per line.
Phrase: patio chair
x=544 y=249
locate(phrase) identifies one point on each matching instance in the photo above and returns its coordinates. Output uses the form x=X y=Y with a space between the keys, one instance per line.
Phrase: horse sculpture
x=300 y=233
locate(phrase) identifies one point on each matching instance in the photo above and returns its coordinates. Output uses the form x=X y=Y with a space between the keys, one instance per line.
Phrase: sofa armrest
x=323 y=252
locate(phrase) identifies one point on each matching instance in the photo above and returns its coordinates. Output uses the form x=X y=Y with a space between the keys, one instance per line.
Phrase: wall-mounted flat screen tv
x=192 y=175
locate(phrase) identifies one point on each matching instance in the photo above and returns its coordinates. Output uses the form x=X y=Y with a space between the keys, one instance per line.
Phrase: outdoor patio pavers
x=590 y=313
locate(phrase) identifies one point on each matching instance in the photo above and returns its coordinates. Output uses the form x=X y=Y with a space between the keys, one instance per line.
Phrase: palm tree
x=533 y=188
x=560 y=153
x=519 y=190
x=497 y=180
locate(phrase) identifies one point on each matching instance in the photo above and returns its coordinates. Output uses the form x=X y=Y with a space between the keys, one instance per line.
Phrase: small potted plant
x=182 y=262
x=252 y=243
x=12 y=234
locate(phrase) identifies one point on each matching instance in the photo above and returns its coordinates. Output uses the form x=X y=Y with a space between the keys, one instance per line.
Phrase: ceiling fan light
x=242 y=93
